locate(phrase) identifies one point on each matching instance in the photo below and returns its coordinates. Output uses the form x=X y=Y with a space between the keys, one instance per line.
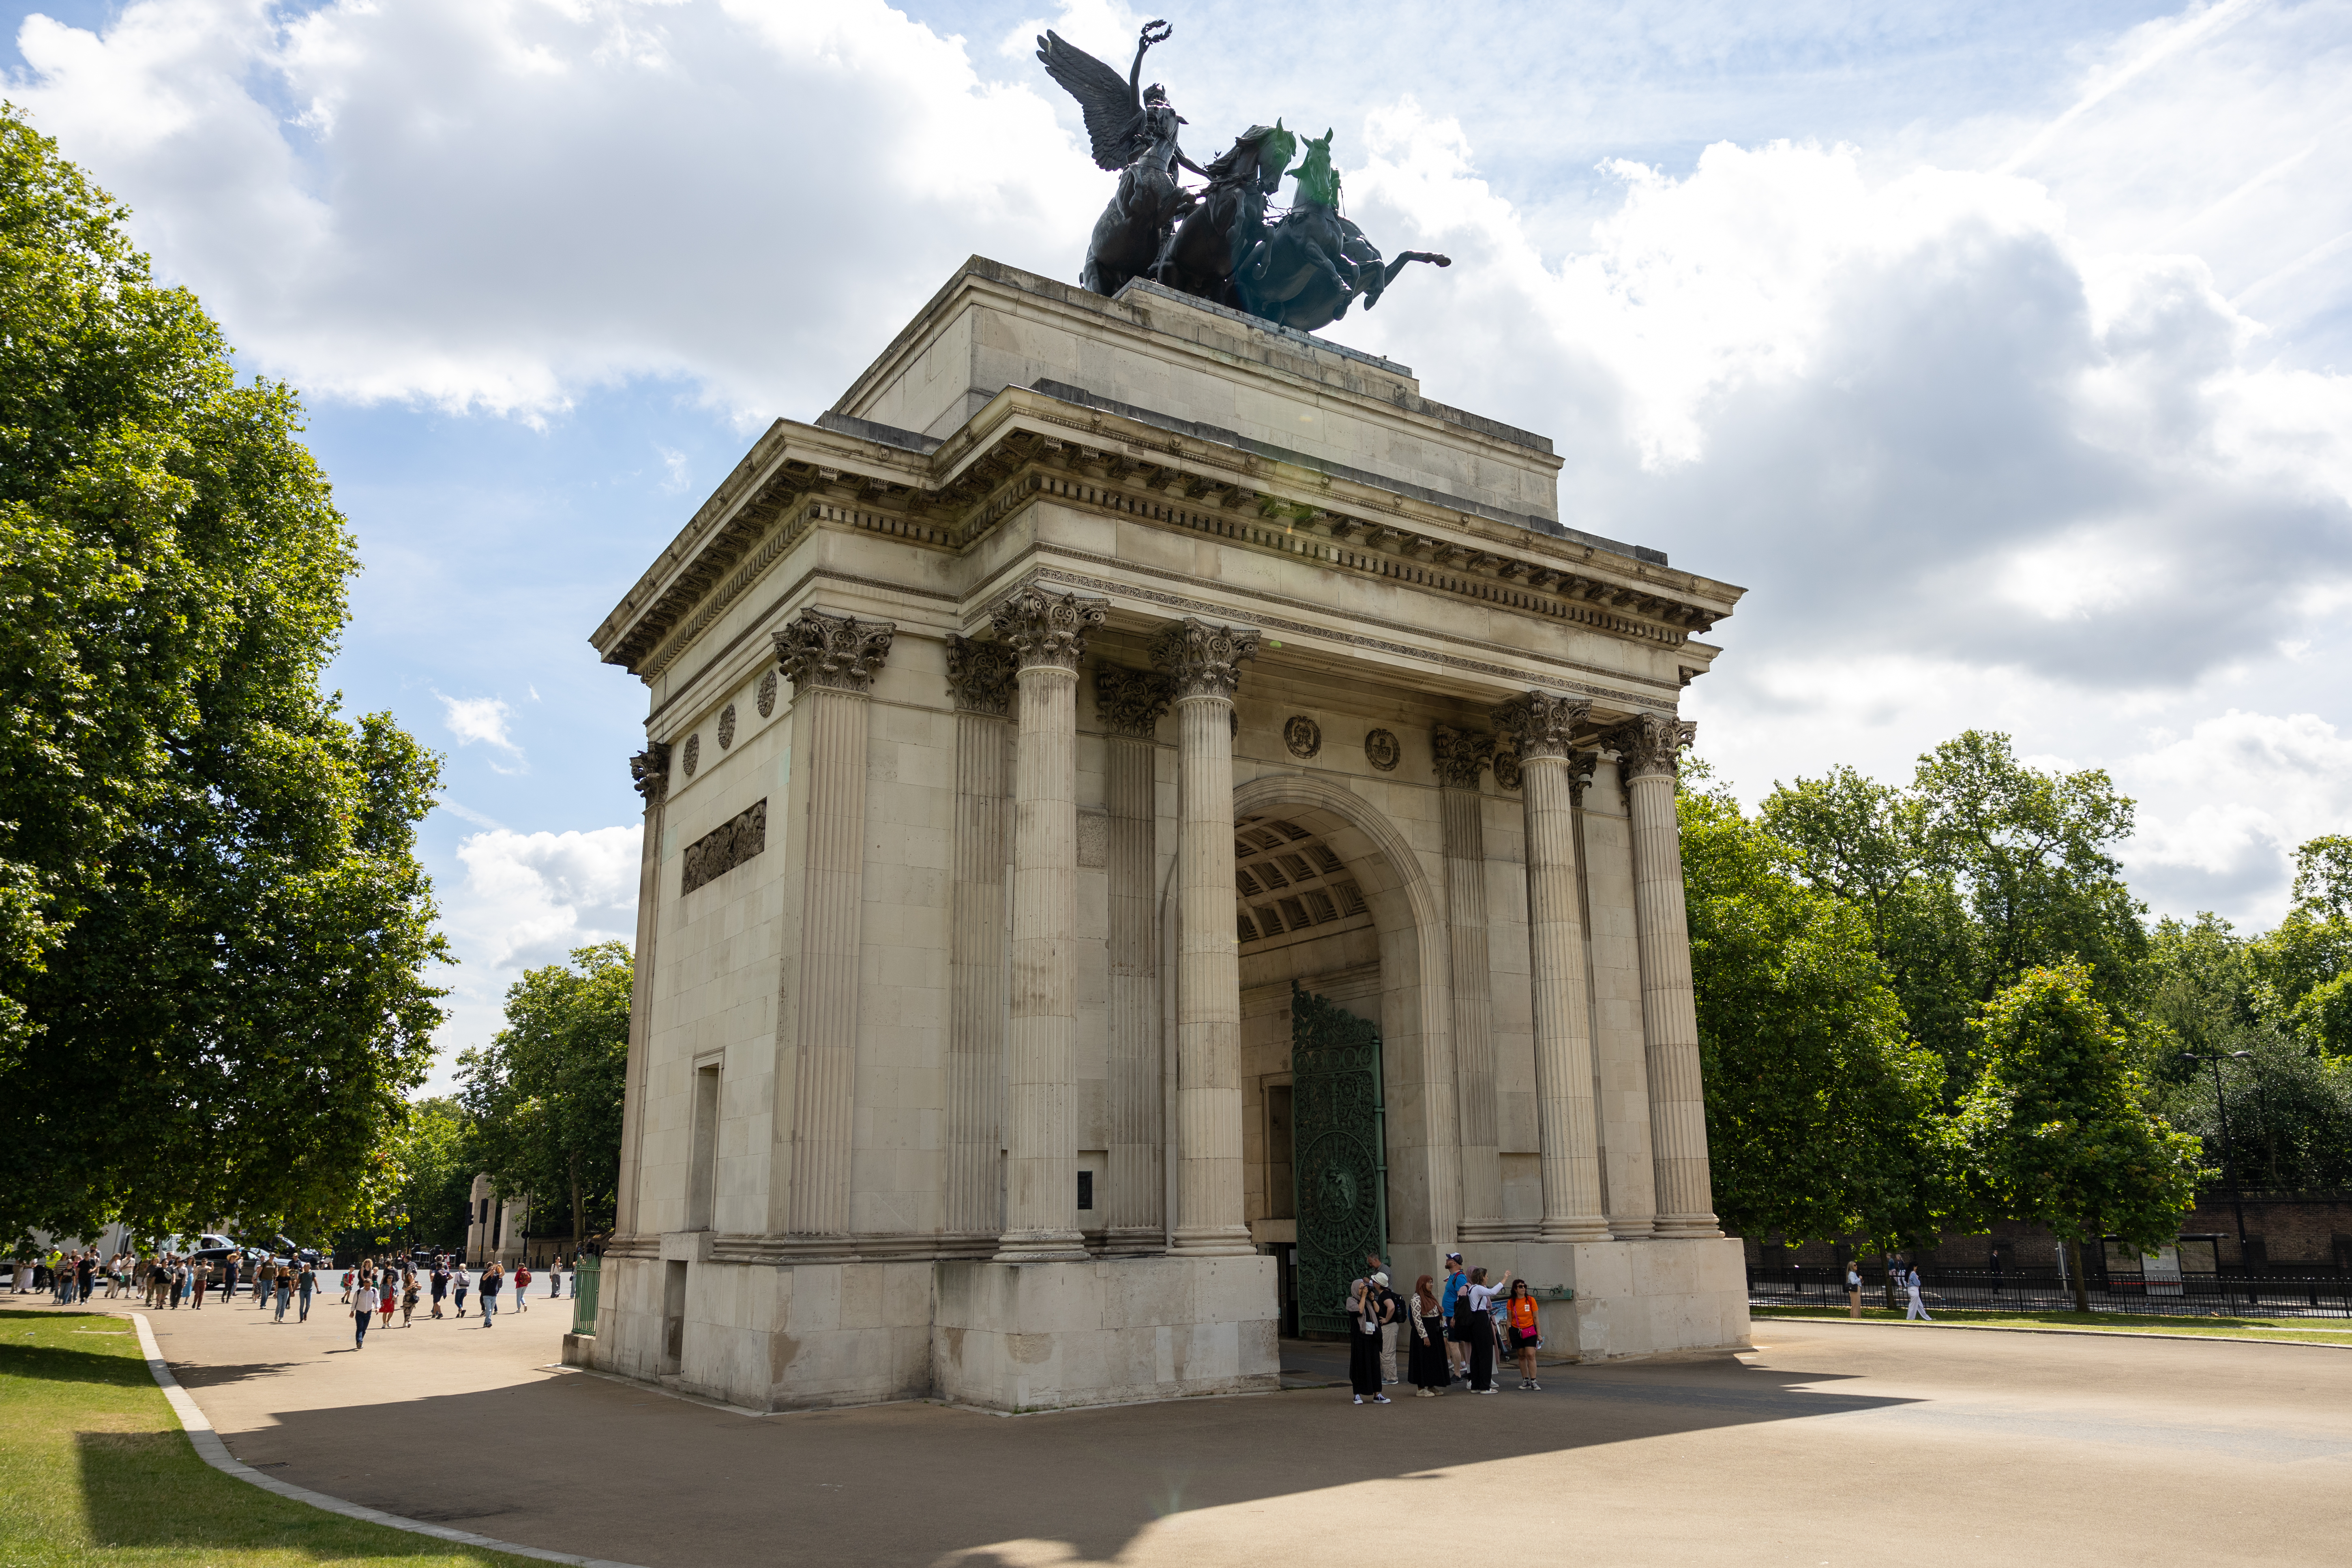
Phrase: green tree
x=1822 y=1115
x=213 y=926
x=2290 y=1112
x=2057 y=1126
x=546 y=1093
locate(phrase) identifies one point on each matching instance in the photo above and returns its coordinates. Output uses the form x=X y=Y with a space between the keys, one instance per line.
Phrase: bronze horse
x=1217 y=235
x=1314 y=264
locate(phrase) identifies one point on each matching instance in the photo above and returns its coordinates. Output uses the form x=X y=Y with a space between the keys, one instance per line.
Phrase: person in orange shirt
x=1524 y=1338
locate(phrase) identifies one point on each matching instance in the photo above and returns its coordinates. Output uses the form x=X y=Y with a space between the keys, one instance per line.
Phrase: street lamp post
x=2229 y=1145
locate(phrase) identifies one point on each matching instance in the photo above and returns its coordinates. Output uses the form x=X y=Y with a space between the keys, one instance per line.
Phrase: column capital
x=1047 y=630
x=650 y=772
x=980 y=676
x=1460 y=755
x=841 y=652
x=1131 y=702
x=1650 y=745
x=1543 y=723
x=1203 y=659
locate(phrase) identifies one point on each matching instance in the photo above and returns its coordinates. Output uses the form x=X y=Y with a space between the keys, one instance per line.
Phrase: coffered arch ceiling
x=1288 y=884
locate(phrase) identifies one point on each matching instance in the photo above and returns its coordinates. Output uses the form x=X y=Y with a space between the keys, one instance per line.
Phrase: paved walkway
x=1829 y=1443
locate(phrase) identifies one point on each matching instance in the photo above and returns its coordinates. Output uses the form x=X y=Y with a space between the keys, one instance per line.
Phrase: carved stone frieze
x=1204 y=659
x=1047 y=630
x=1302 y=735
x=649 y=772
x=1542 y=723
x=1652 y=743
x=980 y=676
x=838 y=651
x=767 y=699
x=1507 y=769
x=727 y=727
x=693 y=758
x=1131 y=701
x=1381 y=750
x=1459 y=754
x=726 y=847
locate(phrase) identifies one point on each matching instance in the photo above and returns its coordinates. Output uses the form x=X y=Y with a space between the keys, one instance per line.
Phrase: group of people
x=1451 y=1332
x=379 y=1287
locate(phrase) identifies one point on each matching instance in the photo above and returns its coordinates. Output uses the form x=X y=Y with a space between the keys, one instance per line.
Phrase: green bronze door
x=1339 y=1162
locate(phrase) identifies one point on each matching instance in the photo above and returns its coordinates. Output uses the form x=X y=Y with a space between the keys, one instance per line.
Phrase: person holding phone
x=1473 y=1314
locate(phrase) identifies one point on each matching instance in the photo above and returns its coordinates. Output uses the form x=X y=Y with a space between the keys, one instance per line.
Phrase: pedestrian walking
x=458 y=1285
x=304 y=1284
x=388 y=1294
x=492 y=1280
x=364 y=1306
x=346 y=1288
x=284 y=1292
x=1457 y=1339
x=1364 y=1342
x=408 y=1294
x=200 y=1275
x=1526 y=1337
x=179 y=1285
x=1911 y=1284
x=1853 y=1289
x=522 y=1287
x=440 y=1286
x=556 y=1280
x=1426 y=1363
x=1474 y=1313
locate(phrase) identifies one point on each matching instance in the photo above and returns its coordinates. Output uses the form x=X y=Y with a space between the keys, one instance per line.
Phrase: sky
x=2002 y=352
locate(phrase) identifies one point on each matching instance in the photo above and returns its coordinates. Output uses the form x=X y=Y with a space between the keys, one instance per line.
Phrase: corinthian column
x=1543 y=725
x=831 y=661
x=1205 y=663
x=1130 y=703
x=1047 y=634
x=1461 y=754
x=1650 y=747
x=980 y=678
x=649 y=771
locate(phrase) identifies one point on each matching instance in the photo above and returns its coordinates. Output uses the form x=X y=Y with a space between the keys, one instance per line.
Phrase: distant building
x=494 y=1227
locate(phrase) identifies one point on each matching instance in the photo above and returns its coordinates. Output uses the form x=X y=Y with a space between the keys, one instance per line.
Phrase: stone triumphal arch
x=1139 y=804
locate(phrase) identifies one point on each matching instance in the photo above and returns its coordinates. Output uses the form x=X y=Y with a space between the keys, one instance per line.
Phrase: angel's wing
x=1114 y=118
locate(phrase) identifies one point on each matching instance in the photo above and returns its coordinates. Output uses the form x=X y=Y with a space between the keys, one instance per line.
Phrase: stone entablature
x=956 y=1054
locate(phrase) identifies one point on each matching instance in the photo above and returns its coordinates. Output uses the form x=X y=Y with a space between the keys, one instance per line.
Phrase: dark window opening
x=1085 y=1189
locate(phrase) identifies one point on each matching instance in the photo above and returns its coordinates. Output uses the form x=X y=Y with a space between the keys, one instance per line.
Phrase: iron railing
x=2279 y=1291
x=585 y=1270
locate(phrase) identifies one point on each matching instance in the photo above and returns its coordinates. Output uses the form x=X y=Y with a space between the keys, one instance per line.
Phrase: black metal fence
x=2279 y=1291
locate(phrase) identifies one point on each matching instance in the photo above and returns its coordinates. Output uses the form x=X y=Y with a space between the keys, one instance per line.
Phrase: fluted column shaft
x=1047 y=634
x=1460 y=757
x=1204 y=661
x=831 y=661
x=1650 y=746
x=649 y=769
x=1130 y=704
x=980 y=676
x=1564 y=1112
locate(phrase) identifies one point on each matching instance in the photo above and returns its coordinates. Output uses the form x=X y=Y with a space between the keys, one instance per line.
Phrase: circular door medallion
x=693 y=752
x=1507 y=770
x=1303 y=735
x=727 y=727
x=1382 y=751
x=767 y=694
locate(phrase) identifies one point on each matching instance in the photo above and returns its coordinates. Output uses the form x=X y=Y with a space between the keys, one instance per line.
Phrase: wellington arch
x=1142 y=806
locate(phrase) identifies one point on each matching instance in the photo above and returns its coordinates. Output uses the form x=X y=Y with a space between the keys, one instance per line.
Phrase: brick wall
x=2285 y=1228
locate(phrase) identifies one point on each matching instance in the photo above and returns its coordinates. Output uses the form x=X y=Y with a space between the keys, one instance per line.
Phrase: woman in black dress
x=1364 y=1342
x=1477 y=1300
x=1426 y=1364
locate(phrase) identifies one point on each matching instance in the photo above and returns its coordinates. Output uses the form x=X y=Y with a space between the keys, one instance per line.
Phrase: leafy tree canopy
x=213 y=926
x=546 y=1092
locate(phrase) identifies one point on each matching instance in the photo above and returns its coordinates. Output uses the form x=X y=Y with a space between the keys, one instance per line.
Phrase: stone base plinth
x=1648 y=1297
x=580 y=1349
x=1052 y=1336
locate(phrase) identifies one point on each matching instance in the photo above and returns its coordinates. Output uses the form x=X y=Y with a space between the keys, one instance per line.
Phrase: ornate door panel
x=1339 y=1160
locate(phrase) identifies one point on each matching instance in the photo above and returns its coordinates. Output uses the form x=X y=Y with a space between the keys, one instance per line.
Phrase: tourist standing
x=522 y=1287
x=200 y=1274
x=1364 y=1342
x=1473 y=1314
x=1457 y=1339
x=1526 y=1336
x=1853 y=1289
x=1426 y=1363
x=1911 y=1284
x=363 y=1305
x=492 y=1280
x=458 y=1285
x=304 y=1284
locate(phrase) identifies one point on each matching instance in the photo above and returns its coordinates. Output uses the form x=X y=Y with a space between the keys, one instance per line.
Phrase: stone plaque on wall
x=1094 y=838
x=726 y=847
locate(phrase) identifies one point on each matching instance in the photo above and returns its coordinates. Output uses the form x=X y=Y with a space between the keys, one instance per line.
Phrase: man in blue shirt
x=1456 y=1353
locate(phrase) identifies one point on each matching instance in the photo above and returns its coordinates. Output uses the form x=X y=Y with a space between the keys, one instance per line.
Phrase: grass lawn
x=2299 y=1330
x=94 y=1470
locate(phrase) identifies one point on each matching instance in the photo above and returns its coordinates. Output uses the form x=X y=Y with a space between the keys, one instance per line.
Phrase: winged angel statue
x=1303 y=271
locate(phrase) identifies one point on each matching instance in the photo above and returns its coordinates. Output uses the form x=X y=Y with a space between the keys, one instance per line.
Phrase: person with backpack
x=460 y=1286
x=522 y=1287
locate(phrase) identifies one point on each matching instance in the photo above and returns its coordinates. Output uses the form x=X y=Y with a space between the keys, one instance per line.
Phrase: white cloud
x=483 y=719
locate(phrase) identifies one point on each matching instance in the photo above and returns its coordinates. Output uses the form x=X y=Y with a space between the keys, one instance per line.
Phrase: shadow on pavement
x=584 y=1463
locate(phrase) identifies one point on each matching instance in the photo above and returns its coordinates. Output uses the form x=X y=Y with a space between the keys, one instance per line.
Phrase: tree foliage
x=1822 y=1115
x=546 y=1093
x=212 y=925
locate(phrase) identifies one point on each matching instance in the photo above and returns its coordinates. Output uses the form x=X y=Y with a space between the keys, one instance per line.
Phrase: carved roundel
x=693 y=752
x=1507 y=770
x=1381 y=750
x=1303 y=735
x=767 y=694
x=727 y=727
